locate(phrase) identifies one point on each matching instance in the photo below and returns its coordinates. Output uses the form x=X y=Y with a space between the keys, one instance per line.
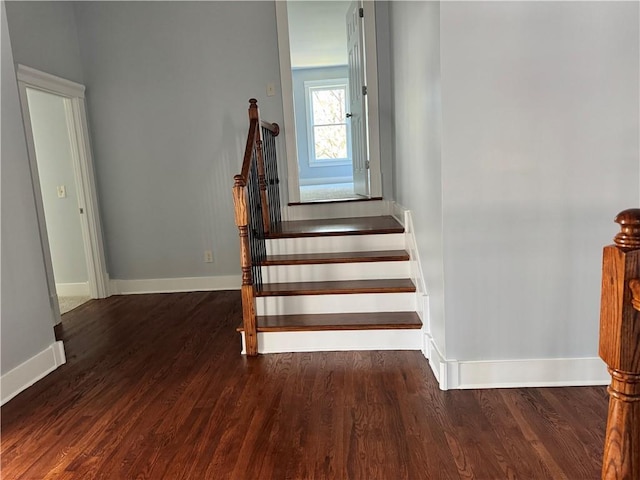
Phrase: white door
x=357 y=110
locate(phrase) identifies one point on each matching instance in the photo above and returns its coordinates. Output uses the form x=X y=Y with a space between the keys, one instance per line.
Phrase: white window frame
x=309 y=87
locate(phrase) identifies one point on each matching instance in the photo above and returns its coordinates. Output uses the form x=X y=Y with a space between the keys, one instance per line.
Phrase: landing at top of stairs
x=336 y=227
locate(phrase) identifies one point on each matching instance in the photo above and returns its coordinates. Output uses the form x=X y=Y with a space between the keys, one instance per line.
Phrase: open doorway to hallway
x=55 y=121
x=58 y=187
x=328 y=102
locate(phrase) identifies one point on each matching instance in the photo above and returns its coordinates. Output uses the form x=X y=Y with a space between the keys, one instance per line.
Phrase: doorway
x=329 y=87
x=64 y=192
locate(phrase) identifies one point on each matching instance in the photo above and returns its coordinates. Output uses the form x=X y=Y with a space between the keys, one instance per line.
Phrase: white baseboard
x=336 y=341
x=80 y=289
x=26 y=374
x=516 y=373
x=174 y=285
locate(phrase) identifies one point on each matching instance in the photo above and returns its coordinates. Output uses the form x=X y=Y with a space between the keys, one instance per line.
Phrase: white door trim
x=74 y=100
x=286 y=87
x=373 y=121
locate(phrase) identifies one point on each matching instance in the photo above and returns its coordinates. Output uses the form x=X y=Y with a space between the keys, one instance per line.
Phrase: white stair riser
x=372 y=208
x=344 y=303
x=337 y=271
x=337 y=340
x=348 y=243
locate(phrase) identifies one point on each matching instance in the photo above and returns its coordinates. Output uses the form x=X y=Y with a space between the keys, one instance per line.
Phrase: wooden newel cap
x=629 y=236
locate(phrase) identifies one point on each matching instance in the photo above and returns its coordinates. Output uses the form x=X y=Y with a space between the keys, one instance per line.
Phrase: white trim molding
x=175 y=285
x=515 y=373
x=50 y=83
x=27 y=373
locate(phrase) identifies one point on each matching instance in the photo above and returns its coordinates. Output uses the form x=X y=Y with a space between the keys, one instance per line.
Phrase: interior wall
x=168 y=85
x=44 y=36
x=308 y=174
x=417 y=151
x=539 y=153
x=26 y=317
x=55 y=168
x=385 y=97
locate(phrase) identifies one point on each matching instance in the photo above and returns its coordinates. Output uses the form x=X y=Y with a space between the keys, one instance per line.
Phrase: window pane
x=328 y=106
x=330 y=142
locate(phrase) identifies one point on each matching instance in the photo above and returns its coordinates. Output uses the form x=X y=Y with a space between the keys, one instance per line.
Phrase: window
x=328 y=130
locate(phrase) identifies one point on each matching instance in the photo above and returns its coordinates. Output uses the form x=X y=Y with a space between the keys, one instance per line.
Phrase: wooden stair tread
x=341 y=257
x=338 y=321
x=394 y=285
x=336 y=227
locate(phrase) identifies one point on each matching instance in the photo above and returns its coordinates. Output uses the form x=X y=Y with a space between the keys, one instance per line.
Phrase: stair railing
x=620 y=348
x=256 y=199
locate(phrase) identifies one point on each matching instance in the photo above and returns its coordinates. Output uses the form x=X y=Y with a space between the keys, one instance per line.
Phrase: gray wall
x=44 y=36
x=539 y=152
x=308 y=174
x=27 y=317
x=417 y=120
x=55 y=168
x=168 y=85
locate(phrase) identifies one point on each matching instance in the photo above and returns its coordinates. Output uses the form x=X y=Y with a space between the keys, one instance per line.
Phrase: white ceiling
x=317 y=33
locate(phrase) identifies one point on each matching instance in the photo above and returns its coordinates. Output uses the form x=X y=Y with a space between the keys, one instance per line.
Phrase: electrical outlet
x=208 y=256
x=62 y=191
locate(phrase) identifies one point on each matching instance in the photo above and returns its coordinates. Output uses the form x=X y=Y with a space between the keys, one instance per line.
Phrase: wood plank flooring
x=155 y=388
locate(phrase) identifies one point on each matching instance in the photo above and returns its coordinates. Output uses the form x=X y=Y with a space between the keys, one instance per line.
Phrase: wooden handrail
x=272 y=127
x=248 y=151
x=620 y=348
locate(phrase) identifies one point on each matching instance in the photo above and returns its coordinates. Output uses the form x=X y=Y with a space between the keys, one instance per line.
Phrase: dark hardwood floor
x=155 y=388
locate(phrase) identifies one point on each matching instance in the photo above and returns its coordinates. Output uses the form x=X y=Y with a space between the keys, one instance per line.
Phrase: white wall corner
x=442 y=369
x=175 y=285
x=80 y=289
x=27 y=373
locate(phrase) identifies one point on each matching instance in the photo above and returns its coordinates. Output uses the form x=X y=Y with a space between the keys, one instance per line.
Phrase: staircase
x=336 y=284
x=318 y=284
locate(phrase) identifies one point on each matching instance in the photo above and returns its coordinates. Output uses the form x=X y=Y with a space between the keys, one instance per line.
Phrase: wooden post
x=254 y=113
x=248 y=297
x=620 y=348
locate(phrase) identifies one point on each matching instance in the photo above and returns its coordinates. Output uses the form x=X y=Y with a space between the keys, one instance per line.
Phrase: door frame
x=75 y=109
x=371 y=105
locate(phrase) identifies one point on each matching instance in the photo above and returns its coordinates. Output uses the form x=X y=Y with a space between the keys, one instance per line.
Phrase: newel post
x=620 y=348
x=248 y=298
